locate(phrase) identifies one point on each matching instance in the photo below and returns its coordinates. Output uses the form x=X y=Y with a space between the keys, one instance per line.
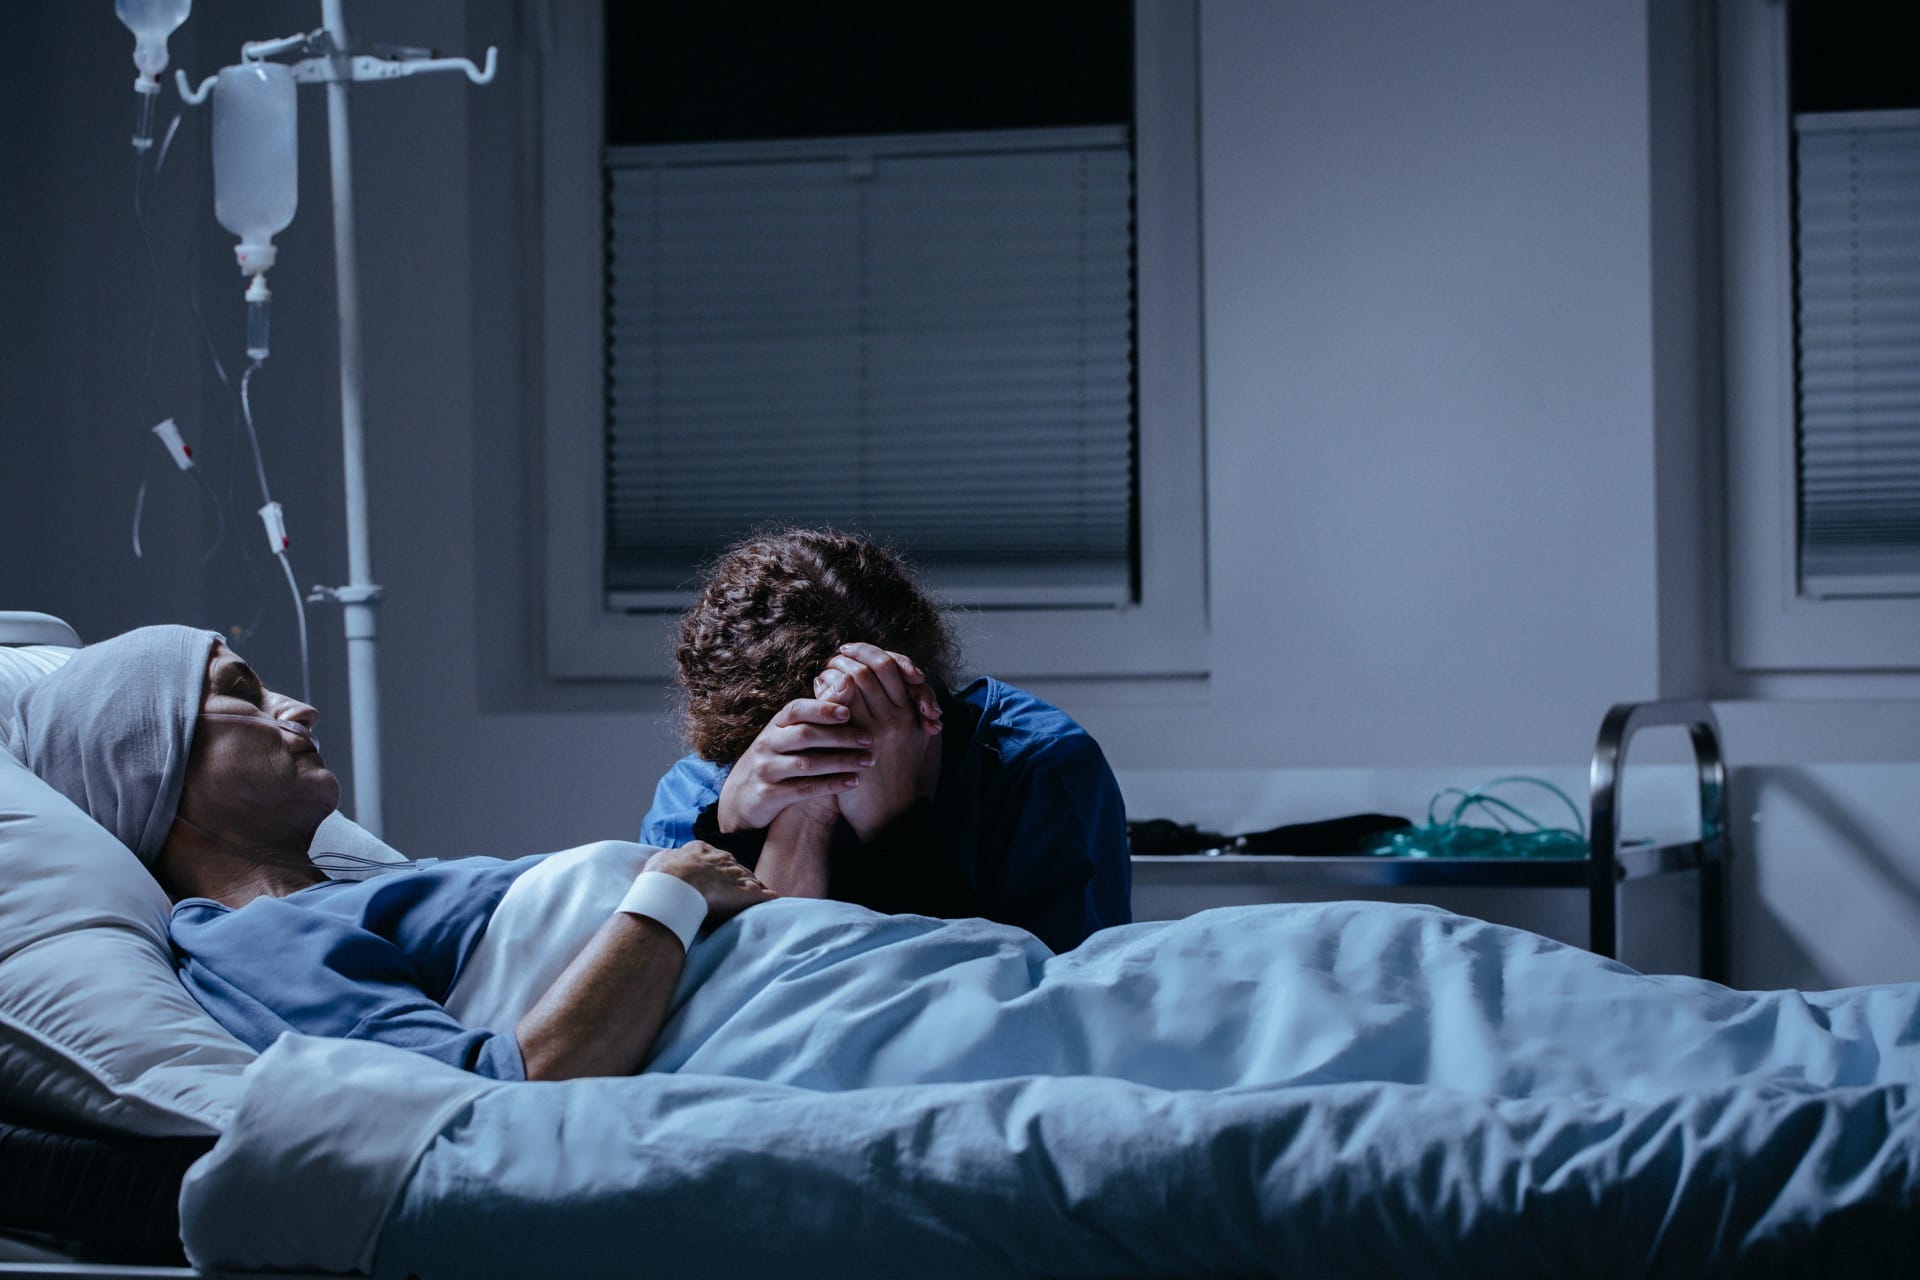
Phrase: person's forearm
x=794 y=859
x=600 y=1016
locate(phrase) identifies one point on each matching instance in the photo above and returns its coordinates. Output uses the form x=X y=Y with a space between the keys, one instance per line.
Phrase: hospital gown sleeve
x=691 y=786
x=272 y=967
x=686 y=805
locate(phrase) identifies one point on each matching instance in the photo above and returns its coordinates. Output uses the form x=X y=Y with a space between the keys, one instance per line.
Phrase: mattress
x=97 y=1198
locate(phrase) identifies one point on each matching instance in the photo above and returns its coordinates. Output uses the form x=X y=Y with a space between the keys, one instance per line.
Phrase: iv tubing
x=246 y=412
x=153 y=326
x=300 y=608
x=279 y=552
x=358 y=602
x=141 y=197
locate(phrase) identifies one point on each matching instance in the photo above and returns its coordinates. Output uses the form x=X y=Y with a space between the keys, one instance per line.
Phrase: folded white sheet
x=546 y=918
x=321 y=1163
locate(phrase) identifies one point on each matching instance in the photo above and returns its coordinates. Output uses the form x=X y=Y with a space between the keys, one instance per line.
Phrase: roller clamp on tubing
x=274 y=518
x=169 y=433
x=668 y=900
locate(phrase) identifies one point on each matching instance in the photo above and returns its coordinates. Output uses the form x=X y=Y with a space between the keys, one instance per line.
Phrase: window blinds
x=928 y=338
x=1857 y=206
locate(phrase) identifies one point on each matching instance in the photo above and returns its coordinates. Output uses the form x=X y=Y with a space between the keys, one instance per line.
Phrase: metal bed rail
x=1610 y=863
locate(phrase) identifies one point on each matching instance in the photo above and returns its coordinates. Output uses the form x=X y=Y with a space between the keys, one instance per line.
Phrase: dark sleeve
x=905 y=869
x=1064 y=869
x=745 y=846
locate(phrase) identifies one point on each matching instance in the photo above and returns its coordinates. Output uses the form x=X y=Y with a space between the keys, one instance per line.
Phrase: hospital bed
x=89 y=1177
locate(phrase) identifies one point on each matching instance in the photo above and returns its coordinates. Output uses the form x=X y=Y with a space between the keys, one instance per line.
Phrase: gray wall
x=1460 y=445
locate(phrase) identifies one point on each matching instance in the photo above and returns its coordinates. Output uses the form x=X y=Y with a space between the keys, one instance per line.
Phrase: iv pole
x=359 y=599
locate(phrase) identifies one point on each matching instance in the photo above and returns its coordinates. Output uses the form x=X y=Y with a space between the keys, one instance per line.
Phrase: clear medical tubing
x=255 y=158
x=267 y=722
x=151 y=22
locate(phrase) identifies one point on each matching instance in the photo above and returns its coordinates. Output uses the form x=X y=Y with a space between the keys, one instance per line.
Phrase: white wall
x=1459 y=441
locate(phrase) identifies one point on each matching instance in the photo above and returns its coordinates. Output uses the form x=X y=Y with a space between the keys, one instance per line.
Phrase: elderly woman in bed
x=169 y=740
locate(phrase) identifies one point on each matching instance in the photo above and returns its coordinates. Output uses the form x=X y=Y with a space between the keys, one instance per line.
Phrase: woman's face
x=253 y=773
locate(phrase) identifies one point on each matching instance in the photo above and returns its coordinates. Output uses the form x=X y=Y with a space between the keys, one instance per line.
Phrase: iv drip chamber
x=255 y=158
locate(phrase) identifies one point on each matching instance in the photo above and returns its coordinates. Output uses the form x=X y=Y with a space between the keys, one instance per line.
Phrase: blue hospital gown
x=371 y=960
x=1027 y=826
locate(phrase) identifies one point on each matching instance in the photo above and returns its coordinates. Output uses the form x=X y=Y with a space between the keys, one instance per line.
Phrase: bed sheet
x=1318 y=1089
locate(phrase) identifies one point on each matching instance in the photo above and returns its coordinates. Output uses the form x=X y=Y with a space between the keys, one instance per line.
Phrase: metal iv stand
x=335 y=64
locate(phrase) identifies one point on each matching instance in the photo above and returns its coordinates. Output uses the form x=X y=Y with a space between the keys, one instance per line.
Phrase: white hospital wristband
x=668 y=899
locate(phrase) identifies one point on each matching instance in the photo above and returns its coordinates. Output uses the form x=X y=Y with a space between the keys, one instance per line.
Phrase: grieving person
x=170 y=741
x=832 y=754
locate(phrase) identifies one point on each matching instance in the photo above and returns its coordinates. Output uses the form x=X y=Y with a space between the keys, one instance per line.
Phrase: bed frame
x=48 y=1178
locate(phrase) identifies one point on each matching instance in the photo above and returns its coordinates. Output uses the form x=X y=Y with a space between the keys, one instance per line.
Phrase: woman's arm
x=900 y=715
x=794 y=859
x=601 y=1015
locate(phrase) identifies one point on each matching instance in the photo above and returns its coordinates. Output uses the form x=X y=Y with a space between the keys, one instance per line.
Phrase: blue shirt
x=370 y=960
x=1026 y=827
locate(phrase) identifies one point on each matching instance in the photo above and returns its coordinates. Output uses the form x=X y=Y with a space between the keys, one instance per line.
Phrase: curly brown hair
x=773 y=609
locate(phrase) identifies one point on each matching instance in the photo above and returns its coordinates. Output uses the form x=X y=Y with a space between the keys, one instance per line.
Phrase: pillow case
x=20 y=667
x=96 y=1032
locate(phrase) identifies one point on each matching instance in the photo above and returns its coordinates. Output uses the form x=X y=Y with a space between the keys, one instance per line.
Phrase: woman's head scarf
x=112 y=727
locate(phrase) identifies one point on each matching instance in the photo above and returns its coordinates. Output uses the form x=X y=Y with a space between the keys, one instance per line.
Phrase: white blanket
x=1338 y=1088
x=546 y=918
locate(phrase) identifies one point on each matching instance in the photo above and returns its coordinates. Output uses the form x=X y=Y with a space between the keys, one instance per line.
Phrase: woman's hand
x=728 y=887
x=890 y=700
x=809 y=752
x=899 y=676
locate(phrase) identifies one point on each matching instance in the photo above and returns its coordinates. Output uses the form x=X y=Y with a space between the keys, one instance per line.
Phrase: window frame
x=1162 y=633
x=1772 y=624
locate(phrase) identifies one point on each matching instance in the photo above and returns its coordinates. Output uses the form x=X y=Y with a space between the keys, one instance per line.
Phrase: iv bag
x=151 y=22
x=255 y=157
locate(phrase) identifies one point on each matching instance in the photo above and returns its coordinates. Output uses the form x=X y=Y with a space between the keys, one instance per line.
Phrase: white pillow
x=20 y=667
x=35 y=628
x=96 y=1032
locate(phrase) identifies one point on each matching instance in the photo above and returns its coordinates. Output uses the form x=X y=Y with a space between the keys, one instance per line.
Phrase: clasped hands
x=852 y=751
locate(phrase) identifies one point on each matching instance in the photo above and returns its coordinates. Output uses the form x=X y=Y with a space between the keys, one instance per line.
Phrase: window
x=1821 y=190
x=926 y=337
x=965 y=320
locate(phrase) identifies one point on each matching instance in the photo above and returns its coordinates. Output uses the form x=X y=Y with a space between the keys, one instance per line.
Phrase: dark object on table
x=1164 y=835
x=1355 y=834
